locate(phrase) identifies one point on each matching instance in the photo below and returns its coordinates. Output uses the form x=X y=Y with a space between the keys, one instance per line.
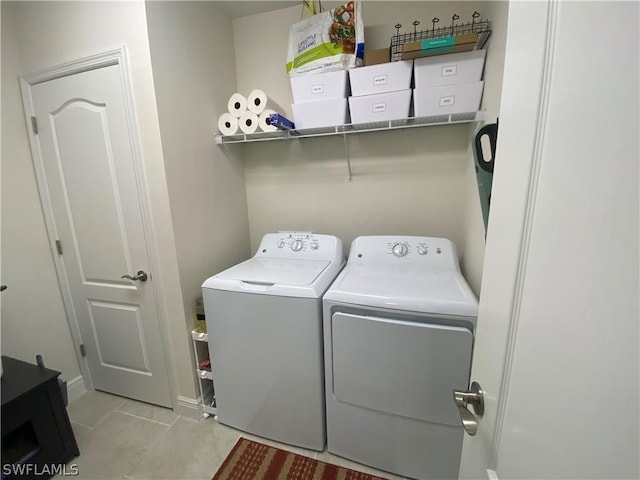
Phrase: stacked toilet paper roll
x=248 y=114
x=248 y=122
x=237 y=104
x=228 y=124
x=265 y=122
x=258 y=101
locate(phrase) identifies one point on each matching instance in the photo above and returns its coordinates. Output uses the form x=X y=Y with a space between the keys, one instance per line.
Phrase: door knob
x=475 y=398
x=142 y=276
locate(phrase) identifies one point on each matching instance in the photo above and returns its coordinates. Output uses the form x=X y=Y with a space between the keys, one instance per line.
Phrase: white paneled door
x=557 y=346
x=91 y=183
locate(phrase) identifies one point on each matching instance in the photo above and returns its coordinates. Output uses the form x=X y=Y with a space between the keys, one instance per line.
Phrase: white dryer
x=399 y=325
x=264 y=319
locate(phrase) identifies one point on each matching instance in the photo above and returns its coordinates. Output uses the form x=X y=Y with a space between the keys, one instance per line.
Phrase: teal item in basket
x=440 y=42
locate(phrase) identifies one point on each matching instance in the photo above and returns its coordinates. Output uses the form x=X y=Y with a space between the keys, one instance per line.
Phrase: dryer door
x=398 y=367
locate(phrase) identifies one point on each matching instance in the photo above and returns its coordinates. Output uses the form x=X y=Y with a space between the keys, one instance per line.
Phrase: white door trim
x=114 y=56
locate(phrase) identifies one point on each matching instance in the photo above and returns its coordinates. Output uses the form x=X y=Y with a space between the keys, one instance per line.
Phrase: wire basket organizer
x=481 y=27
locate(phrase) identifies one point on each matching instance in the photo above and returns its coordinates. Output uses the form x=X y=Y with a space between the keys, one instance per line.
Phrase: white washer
x=398 y=338
x=264 y=319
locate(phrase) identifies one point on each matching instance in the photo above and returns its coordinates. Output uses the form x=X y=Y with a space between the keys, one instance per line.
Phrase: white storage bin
x=307 y=88
x=446 y=99
x=323 y=113
x=463 y=67
x=381 y=78
x=381 y=107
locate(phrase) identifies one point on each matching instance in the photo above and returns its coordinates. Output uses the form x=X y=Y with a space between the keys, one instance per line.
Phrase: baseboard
x=189 y=407
x=76 y=388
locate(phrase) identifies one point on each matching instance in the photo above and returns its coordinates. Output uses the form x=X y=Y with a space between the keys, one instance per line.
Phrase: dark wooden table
x=37 y=439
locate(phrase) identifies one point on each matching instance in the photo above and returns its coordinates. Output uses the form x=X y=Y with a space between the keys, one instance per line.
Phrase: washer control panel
x=300 y=245
x=297 y=242
x=429 y=252
x=403 y=249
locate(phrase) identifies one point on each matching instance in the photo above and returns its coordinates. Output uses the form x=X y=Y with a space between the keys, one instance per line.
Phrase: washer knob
x=297 y=245
x=314 y=245
x=280 y=244
x=399 y=250
x=422 y=250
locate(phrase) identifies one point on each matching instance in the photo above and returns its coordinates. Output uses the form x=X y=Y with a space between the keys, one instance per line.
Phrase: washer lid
x=277 y=276
x=281 y=271
x=404 y=288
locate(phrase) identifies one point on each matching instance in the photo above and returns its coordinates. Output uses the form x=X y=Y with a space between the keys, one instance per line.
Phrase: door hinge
x=59 y=247
x=34 y=125
x=83 y=352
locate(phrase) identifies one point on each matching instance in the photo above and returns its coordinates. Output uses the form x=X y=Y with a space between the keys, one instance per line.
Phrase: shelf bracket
x=346 y=154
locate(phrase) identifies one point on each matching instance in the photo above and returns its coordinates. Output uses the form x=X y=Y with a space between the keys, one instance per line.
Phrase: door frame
x=115 y=56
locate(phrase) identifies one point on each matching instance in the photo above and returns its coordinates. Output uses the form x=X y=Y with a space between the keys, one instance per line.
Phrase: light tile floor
x=120 y=438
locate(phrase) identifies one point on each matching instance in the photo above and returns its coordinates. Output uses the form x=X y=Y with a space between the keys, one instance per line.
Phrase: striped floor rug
x=249 y=460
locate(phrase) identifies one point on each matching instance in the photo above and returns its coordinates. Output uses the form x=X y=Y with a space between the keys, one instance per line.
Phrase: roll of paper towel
x=227 y=124
x=263 y=121
x=237 y=104
x=257 y=101
x=248 y=122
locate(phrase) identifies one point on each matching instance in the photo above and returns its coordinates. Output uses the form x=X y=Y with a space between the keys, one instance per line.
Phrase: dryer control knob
x=297 y=245
x=399 y=250
x=280 y=244
x=314 y=245
x=422 y=250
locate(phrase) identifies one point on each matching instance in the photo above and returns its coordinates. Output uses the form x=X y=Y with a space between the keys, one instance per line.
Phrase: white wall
x=413 y=182
x=194 y=75
x=33 y=316
x=50 y=33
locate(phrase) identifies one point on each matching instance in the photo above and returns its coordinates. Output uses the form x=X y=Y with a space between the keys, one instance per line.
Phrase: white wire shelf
x=352 y=128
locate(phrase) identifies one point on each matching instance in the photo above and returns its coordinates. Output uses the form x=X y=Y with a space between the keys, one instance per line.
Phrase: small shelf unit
x=352 y=128
x=205 y=377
